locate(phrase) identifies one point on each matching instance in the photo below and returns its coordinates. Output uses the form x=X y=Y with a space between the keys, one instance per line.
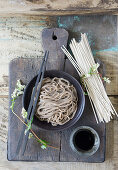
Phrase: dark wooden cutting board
x=26 y=69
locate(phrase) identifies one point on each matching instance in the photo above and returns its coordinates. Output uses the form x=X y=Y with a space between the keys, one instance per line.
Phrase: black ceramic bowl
x=81 y=100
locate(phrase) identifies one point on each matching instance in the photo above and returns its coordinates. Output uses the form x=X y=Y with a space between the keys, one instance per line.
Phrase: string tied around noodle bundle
x=84 y=63
x=94 y=71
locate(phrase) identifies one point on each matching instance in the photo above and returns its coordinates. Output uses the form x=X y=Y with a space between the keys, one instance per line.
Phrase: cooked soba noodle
x=57 y=102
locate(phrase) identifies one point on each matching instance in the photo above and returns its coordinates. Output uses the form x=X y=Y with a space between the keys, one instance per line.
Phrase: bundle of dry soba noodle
x=57 y=101
x=82 y=61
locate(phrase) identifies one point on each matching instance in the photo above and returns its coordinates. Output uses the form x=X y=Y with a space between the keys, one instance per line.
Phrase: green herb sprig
x=93 y=71
x=19 y=90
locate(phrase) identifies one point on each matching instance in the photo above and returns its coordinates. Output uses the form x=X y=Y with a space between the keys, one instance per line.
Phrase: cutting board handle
x=52 y=40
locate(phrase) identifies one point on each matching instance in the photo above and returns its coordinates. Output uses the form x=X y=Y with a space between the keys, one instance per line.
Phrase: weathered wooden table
x=21 y=37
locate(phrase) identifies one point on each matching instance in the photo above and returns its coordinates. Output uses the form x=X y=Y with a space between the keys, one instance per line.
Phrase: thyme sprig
x=19 y=90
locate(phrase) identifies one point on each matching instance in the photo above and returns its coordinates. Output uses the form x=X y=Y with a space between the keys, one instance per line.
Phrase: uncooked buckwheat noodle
x=57 y=102
x=82 y=61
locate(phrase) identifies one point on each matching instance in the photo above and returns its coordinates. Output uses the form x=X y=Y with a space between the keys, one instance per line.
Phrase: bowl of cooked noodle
x=61 y=101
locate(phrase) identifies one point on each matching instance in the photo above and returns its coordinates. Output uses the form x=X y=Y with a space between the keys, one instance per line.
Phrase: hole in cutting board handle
x=54 y=37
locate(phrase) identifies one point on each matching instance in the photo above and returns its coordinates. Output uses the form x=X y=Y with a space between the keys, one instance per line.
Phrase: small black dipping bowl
x=81 y=100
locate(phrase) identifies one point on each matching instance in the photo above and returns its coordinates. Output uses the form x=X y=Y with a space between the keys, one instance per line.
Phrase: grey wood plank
x=27 y=69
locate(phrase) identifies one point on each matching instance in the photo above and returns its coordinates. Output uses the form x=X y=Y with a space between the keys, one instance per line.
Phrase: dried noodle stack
x=82 y=61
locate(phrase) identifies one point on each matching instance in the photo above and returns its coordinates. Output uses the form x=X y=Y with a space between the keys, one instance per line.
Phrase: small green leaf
x=28 y=128
x=45 y=141
x=32 y=120
x=42 y=142
x=29 y=125
x=85 y=93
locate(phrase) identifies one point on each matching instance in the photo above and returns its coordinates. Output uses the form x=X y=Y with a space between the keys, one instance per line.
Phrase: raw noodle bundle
x=82 y=61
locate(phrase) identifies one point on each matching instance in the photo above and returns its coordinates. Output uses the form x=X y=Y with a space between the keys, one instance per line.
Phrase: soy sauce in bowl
x=84 y=140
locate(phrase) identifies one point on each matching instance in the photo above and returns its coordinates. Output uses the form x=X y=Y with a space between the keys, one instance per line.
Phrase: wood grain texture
x=52 y=40
x=110 y=58
x=27 y=69
x=57 y=7
x=20 y=37
x=9 y=49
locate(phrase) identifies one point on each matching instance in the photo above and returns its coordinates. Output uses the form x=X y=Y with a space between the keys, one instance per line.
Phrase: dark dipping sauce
x=84 y=140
